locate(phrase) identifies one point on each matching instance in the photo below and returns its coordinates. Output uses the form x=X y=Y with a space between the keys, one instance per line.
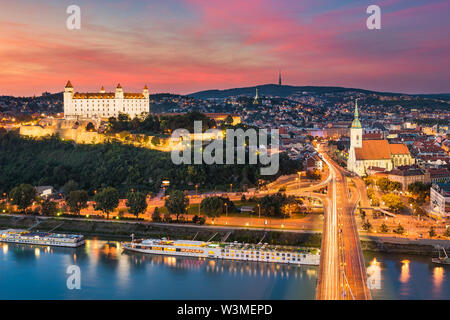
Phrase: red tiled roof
x=434 y=157
x=107 y=95
x=371 y=168
x=439 y=173
x=88 y=95
x=373 y=150
x=372 y=136
x=379 y=150
x=133 y=95
x=399 y=148
x=412 y=170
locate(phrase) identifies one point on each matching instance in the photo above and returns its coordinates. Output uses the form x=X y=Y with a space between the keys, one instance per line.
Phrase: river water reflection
x=37 y=272
x=399 y=276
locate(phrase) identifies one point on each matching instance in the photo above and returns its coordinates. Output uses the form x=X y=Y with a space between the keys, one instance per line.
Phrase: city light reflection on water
x=408 y=277
x=404 y=276
x=374 y=275
x=438 y=279
x=109 y=272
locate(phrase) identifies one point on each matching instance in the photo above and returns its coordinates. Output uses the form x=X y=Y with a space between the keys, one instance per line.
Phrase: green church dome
x=356 y=124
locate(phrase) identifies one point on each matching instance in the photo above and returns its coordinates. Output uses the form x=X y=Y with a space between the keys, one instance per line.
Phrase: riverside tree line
x=176 y=203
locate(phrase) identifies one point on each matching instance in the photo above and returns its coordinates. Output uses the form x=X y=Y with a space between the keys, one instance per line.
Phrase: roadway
x=342 y=271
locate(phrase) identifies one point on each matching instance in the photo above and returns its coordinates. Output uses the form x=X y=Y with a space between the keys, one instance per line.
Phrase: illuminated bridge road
x=342 y=271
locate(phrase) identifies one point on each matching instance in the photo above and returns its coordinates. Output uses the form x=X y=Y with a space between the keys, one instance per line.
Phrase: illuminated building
x=374 y=153
x=104 y=104
x=440 y=199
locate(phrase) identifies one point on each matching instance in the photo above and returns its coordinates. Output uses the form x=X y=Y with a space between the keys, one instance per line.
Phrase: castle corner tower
x=119 y=92
x=145 y=92
x=68 y=95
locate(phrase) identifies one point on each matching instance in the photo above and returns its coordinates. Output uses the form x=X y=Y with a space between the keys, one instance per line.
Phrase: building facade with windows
x=409 y=174
x=104 y=104
x=440 y=199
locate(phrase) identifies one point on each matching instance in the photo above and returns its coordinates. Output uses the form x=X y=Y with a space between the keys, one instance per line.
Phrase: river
x=106 y=272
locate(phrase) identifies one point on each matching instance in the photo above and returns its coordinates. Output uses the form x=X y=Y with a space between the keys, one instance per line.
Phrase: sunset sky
x=183 y=46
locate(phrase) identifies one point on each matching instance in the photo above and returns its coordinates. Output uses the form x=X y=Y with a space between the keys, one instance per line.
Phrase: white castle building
x=104 y=104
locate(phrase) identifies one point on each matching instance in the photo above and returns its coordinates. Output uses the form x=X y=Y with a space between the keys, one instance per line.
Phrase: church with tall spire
x=364 y=154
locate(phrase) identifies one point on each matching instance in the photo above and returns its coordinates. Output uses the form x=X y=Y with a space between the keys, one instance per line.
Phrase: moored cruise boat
x=226 y=250
x=41 y=238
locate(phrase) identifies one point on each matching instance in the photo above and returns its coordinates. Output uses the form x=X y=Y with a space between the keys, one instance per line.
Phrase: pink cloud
x=220 y=44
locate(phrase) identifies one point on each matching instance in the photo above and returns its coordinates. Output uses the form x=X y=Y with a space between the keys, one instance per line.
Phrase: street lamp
x=226 y=212
x=199 y=203
x=259 y=211
x=231 y=187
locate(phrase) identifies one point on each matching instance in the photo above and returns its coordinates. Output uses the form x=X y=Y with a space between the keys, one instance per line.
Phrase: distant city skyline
x=184 y=46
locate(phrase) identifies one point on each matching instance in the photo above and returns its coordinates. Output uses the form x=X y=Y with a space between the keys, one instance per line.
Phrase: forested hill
x=50 y=161
x=438 y=96
x=276 y=90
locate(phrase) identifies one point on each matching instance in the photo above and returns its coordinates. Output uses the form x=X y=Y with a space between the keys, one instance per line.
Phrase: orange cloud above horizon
x=186 y=46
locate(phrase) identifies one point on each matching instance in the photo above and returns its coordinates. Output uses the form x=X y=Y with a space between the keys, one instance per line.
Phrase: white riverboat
x=41 y=238
x=227 y=250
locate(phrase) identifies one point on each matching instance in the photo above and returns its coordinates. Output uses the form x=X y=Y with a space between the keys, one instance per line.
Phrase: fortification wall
x=66 y=129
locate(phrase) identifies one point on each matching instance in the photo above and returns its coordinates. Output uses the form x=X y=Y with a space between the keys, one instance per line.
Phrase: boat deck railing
x=231 y=246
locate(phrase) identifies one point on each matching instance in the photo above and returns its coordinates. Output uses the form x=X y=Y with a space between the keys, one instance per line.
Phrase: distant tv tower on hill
x=279 y=77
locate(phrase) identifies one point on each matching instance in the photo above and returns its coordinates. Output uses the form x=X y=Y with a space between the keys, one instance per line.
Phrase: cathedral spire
x=356 y=123
x=279 y=77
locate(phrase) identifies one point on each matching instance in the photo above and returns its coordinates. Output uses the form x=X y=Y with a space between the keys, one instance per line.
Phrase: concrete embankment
x=402 y=245
x=123 y=230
